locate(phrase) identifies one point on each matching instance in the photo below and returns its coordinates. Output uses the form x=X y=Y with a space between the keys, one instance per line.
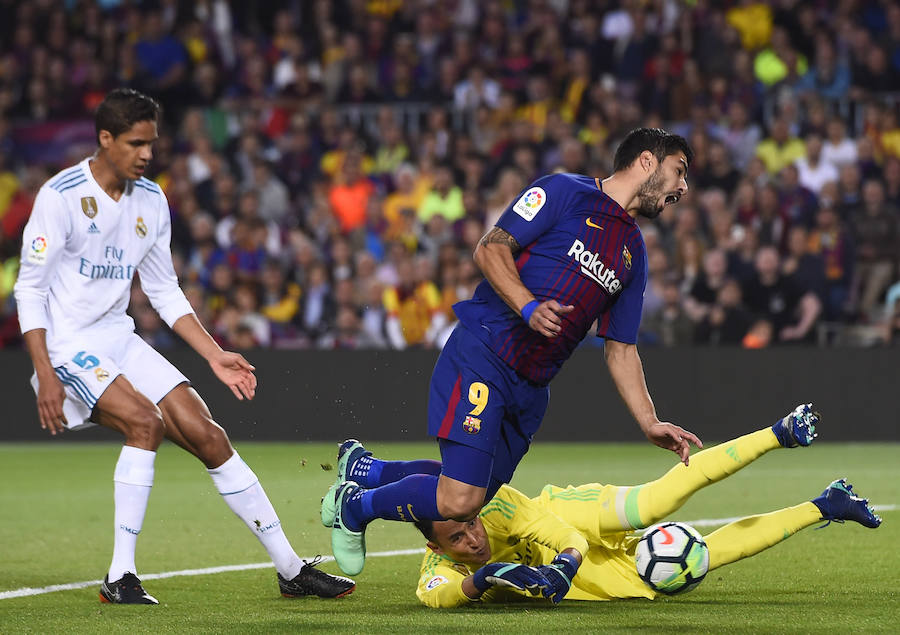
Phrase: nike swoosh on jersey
x=590 y=223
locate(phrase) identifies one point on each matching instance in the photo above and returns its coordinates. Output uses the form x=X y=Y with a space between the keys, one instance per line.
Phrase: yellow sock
x=749 y=536
x=599 y=510
x=654 y=501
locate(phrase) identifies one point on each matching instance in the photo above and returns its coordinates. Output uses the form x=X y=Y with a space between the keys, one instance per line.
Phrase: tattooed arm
x=494 y=256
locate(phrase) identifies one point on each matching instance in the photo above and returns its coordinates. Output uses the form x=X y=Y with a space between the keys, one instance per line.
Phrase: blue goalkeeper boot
x=347 y=545
x=839 y=503
x=798 y=427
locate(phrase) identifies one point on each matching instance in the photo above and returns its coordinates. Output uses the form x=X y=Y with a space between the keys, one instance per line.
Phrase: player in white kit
x=92 y=228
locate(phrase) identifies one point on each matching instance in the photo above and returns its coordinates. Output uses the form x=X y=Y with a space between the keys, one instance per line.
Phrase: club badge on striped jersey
x=140 y=229
x=89 y=206
x=626 y=256
x=471 y=424
x=102 y=375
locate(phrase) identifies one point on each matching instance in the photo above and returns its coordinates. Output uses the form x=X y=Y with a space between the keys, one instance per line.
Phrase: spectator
x=814 y=171
x=703 y=293
x=798 y=203
x=274 y=200
x=670 y=326
x=838 y=149
x=727 y=321
x=792 y=310
x=349 y=197
x=780 y=148
x=319 y=308
x=831 y=240
x=875 y=236
x=444 y=199
x=804 y=270
x=830 y=76
x=413 y=308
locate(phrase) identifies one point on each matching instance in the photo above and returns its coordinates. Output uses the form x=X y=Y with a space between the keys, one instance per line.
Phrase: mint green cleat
x=348 y=453
x=329 y=509
x=348 y=546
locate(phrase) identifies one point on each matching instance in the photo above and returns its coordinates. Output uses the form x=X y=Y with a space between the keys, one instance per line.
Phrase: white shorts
x=90 y=372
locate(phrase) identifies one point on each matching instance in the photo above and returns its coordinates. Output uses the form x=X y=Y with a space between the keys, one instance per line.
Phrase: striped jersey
x=80 y=251
x=579 y=247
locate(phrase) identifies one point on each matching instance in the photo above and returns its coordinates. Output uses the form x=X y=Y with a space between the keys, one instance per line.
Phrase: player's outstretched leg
x=751 y=535
x=607 y=509
x=656 y=500
x=355 y=463
x=125 y=590
x=839 y=503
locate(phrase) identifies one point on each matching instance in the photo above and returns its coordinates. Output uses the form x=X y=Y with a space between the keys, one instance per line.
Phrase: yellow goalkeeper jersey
x=530 y=531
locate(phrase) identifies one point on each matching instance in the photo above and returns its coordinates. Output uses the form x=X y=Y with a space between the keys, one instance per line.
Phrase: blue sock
x=412 y=498
x=782 y=433
x=370 y=472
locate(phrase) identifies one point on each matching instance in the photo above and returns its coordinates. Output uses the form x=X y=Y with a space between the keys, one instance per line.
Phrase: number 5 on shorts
x=478 y=397
x=85 y=361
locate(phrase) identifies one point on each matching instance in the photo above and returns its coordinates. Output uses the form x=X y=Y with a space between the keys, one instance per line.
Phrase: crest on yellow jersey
x=89 y=206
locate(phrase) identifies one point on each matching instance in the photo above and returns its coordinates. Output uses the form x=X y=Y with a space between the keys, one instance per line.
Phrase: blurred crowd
x=331 y=165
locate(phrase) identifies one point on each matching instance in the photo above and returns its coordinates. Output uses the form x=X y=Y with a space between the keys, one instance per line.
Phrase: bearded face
x=665 y=186
x=650 y=194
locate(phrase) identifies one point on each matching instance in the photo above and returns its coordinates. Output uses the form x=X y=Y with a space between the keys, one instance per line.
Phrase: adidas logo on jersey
x=93 y=229
x=593 y=267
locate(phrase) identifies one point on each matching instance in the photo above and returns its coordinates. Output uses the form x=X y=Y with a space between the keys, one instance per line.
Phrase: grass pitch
x=56 y=501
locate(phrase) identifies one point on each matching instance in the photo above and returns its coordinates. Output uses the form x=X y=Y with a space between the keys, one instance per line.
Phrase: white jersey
x=80 y=251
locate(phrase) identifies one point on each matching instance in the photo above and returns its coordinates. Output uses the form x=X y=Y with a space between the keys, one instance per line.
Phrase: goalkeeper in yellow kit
x=579 y=542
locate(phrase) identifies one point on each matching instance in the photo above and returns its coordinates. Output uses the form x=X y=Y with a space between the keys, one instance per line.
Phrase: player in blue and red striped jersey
x=565 y=254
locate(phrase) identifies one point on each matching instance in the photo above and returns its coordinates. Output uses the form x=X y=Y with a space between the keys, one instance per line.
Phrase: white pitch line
x=27 y=591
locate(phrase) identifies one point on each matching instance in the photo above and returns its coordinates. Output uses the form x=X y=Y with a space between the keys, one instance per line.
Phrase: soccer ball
x=672 y=558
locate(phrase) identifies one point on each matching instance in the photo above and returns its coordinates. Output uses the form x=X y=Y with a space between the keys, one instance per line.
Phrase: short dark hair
x=656 y=140
x=121 y=109
x=426 y=526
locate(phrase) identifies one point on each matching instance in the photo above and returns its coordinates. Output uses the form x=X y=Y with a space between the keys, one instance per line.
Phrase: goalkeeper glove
x=559 y=574
x=517 y=576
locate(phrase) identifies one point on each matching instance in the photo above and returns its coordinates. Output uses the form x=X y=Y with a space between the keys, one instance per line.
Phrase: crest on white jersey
x=531 y=203
x=140 y=229
x=89 y=206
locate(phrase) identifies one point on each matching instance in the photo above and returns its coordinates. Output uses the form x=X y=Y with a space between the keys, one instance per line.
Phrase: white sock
x=133 y=481
x=240 y=488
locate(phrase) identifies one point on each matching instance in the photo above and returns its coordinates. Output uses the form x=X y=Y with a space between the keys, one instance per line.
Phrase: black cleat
x=311 y=581
x=126 y=590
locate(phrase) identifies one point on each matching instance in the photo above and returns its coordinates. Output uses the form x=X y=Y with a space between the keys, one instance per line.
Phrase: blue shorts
x=478 y=401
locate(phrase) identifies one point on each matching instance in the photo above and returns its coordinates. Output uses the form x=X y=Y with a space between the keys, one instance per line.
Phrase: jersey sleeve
x=158 y=279
x=624 y=317
x=520 y=517
x=43 y=243
x=536 y=210
x=440 y=583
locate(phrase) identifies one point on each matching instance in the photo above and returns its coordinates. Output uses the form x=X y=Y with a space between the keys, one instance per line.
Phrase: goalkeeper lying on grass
x=578 y=542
